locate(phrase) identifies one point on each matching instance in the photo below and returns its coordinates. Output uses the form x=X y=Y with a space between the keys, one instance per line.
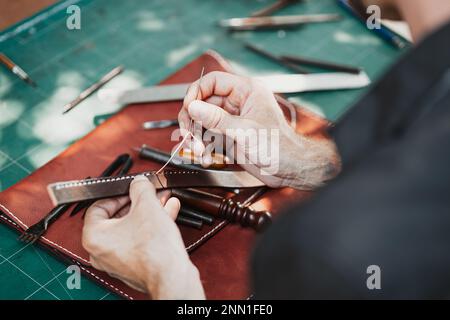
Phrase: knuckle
x=95 y=245
x=257 y=85
x=215 y=74
x=99 y=205
x=88 y=242
x=238 y=97
x=219 y=120
x=94 y=263
x=190 y=94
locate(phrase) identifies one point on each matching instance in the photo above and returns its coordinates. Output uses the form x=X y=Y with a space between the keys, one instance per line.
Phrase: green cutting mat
x=151 y=39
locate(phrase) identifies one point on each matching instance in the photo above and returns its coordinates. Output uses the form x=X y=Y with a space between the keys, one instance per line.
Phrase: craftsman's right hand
x=136 y=240
x=226 y=103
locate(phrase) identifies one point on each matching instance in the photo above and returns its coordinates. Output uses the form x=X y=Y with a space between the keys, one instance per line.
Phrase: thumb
x=142 y=192
x=214 y=117
x=210 y=115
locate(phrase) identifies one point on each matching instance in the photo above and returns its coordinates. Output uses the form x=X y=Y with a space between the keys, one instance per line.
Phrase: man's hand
x=222 y=101
x=139 y=243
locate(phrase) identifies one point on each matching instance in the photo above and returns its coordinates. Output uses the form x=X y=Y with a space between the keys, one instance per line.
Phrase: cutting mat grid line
x=43 y=286
x=30 y=277
x=152 y=39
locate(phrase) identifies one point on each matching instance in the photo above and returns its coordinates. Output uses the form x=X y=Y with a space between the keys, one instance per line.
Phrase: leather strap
x=98 y=188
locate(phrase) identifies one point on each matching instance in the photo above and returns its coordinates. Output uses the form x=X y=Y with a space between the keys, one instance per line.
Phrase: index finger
x=216 y=83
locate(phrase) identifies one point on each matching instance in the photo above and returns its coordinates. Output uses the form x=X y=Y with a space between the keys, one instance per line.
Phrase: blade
x=292 y=83
x=285 y=83
x=98 y=188
x=272 y=21
x=173 y=92
x=148 y=125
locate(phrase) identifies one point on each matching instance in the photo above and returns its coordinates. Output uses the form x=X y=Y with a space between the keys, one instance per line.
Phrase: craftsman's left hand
x=246 y=115
x=139 y=243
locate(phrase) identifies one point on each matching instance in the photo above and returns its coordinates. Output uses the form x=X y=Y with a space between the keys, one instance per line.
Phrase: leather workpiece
x=221 y=251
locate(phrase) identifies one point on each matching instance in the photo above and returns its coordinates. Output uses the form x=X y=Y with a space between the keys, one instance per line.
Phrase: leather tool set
x=216 y=222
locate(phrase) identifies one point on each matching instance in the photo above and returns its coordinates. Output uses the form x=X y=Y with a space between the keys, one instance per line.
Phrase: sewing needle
x=188 y=134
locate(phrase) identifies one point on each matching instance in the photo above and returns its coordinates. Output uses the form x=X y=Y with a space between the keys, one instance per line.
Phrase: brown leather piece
x=221 y=259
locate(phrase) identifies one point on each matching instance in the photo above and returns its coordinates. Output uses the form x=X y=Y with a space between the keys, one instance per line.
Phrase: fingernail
x=207 y=160
x=199 y=147
x=140 y=177
x=195 y=109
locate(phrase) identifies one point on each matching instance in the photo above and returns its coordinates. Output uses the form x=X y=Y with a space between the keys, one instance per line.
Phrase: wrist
x=178 y=280
x=310 y=162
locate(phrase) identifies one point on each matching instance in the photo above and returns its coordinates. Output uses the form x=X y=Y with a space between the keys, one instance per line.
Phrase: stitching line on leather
x=82 y=267
x=81 y=258
x=113 y=179
x=48 y=240
x=77 y=256
x=205 y=235
x=9 y=220
x=101 y=280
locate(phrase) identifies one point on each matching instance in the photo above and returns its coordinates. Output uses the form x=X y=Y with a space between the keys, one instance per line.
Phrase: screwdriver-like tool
x=18 y=71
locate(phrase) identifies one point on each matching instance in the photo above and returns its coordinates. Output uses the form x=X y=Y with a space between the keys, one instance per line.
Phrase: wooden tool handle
x=224 y=208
